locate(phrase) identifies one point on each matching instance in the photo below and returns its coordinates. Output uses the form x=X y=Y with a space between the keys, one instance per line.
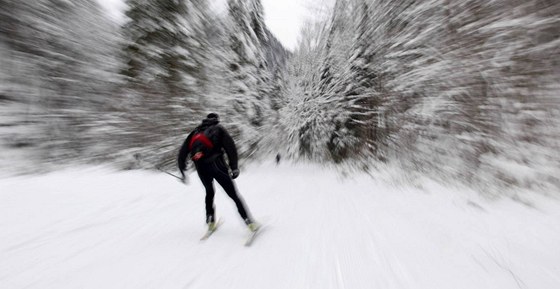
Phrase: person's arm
x=183 y=153
x=229 y=146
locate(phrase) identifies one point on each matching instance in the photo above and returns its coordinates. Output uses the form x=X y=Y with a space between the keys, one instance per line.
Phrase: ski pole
x=169 y=174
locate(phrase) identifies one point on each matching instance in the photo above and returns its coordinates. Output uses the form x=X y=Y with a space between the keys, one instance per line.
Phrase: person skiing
x=206 y=145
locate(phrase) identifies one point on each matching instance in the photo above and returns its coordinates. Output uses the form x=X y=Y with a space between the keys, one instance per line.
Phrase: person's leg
x=222 y=177
x=207 y=180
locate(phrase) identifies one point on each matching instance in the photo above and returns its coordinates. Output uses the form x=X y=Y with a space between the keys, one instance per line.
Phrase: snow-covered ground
x=96 y=228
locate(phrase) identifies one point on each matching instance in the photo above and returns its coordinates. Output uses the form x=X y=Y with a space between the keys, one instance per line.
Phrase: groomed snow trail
x=91 y=228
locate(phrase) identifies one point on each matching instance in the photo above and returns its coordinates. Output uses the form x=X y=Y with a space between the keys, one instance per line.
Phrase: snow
x=99 y=228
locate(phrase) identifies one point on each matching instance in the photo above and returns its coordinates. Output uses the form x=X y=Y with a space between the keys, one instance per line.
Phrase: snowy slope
x=94 y=228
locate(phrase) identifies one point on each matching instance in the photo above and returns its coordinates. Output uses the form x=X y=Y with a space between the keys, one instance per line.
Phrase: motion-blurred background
x=462 y=91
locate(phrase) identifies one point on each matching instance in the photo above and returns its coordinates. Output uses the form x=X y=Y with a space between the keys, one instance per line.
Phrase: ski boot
x=253 y=226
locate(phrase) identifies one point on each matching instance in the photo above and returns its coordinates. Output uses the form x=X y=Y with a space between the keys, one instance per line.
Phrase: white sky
x=114 y=7
x=284 y=18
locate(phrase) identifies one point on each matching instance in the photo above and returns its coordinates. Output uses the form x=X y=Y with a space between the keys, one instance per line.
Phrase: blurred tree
x=61 y=64
x=461 y=89
x=250 y=79
x=164 y=73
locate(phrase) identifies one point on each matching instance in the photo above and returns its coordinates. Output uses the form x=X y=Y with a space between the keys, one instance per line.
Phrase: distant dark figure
x=206 y=145
x=277 y=158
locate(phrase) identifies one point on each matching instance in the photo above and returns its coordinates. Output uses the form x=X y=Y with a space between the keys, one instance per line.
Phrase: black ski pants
x=218 y=170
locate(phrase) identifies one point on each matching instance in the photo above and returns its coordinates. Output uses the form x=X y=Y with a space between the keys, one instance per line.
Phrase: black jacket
x=220 y=138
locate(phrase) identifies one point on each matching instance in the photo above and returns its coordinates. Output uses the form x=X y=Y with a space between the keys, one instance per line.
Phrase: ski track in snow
x=103 y=229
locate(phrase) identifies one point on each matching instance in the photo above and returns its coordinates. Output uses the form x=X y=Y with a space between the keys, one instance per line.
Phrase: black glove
x=234 y=173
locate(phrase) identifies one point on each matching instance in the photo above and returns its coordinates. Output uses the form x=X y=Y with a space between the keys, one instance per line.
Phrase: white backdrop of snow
x=97 y=228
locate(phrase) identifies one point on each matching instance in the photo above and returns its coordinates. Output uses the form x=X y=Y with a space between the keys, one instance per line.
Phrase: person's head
x=213 y=115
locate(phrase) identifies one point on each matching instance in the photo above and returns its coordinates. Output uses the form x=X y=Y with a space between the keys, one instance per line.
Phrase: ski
x=210 y=232
x=253 y=236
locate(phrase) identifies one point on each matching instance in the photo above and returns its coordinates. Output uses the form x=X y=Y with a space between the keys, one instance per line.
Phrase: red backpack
x=200 y=145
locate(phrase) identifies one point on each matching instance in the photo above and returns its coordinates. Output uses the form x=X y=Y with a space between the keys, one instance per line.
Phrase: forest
x=461 y=91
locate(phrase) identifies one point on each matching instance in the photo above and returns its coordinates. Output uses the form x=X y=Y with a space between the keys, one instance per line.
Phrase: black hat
x=213 y=115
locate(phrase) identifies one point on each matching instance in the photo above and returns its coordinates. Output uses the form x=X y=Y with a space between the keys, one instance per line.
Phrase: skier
x=205 y=145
